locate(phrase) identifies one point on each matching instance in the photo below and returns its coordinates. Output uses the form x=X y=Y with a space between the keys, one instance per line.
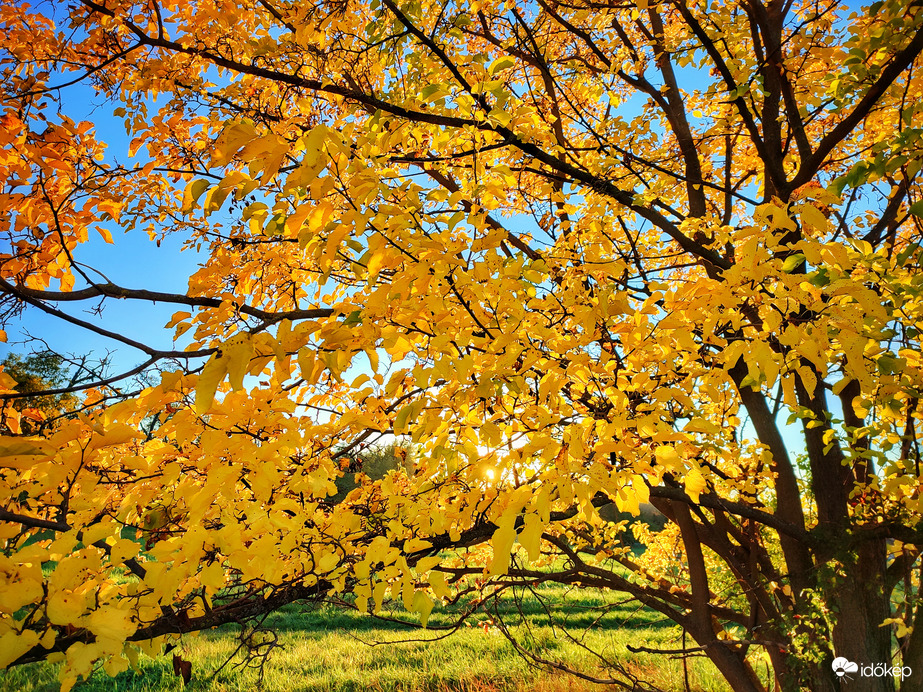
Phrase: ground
x=332 y=649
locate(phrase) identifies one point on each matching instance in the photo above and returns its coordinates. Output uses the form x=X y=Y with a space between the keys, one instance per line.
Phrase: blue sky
x=133 y=261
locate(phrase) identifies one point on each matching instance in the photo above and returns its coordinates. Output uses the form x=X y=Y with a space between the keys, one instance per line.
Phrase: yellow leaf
x=530 y=537
x=111 y=624
x=667 y=456
x=123 y=549
x=502 y=543
x=626 y=500
x=438 y=584
x=214 y=199
x=378 y=594
x=116 y=434
x=12 y=419
x=13 y=645
x=427 y=563
x=275 y=156
x=192 y=193
x=115 y=665
x=372 y=355
x=423 y=605
x=24 y=446
x=232 y=139
x=156 y=518
x=295 y=221
x=81 y=657
x=237 y=353
x=177 y=318
x=311 y=366
x=415 y=544
x=327 y=563
x=501 y=64
x=700 y=425
x=7 y=383
x=695 y=484
x=373 y=266
x=65 y=607
x=98 y=532
x=212 y=576
x=20 y=592
x=406 y=416
x=209 y=379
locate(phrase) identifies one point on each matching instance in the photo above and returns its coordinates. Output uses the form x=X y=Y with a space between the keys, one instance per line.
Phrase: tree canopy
x=578 y=253
x=38 y=373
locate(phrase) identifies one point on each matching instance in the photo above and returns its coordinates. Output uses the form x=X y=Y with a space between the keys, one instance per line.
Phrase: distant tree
x=374 y=463
x=37 y=374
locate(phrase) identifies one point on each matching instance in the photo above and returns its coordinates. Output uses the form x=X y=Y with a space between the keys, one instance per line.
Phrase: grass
x=331 y=649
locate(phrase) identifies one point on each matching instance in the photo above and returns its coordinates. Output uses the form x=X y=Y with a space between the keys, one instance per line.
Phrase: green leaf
x=355 y=317
x=156 y=518
x=916 y=208
x=433 y=92
x=275 y=226
x=907 y=253
x=820 y=278
x=913 y=167
x=792 y=263
x=889 y=365
x=404 y=416
x=838 y=185
x=501 y=64
x=750 y=382
x=500 y=117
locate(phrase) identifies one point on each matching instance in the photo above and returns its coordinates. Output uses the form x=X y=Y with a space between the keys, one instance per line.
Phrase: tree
x=373 y=463
x=32 y=378
x=579 y=253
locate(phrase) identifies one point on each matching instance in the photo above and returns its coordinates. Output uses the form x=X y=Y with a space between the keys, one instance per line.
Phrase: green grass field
x=328 y=648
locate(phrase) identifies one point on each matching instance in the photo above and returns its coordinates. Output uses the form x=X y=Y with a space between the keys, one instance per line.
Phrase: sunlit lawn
x=328 y=648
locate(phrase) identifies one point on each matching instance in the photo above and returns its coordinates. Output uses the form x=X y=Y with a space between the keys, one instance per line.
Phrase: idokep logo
x=843 y=667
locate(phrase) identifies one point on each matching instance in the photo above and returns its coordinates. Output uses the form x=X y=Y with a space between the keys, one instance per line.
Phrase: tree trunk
x=862 y=606
x=913 y=656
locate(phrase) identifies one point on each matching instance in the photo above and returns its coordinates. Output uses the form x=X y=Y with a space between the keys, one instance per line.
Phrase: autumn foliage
x=576 y=253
